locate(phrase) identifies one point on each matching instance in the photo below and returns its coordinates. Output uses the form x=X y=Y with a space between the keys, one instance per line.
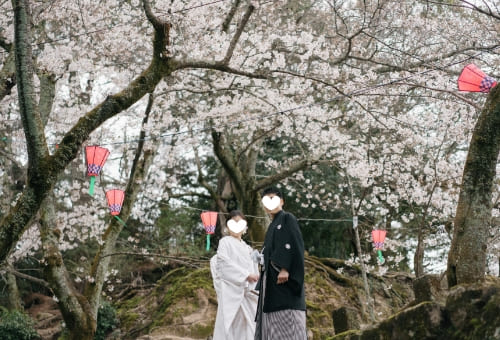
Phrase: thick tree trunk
x=467 y=256
x=13 y=297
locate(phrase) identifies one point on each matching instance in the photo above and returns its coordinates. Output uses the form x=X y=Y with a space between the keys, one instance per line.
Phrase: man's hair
x=272 y=190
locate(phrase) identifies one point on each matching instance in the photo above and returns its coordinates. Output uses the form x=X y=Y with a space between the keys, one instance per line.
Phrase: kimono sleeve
x=228 y=269
x=288 y=246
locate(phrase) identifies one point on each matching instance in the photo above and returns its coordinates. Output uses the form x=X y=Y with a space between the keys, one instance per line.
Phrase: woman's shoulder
x=225 y=239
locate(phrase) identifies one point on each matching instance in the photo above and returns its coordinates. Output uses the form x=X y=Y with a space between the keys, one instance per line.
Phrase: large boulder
x=470 y=312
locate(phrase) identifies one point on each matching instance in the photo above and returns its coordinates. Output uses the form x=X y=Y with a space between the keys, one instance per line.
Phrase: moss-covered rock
x=474 y=311
x=470 y=312
x=182 y=303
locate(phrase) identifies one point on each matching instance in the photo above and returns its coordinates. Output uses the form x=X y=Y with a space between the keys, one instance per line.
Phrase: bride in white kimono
x=234 y=276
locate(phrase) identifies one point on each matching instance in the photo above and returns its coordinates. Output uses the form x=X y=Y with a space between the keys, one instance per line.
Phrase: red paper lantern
x=378 y=238
x=115 y=200
x=96 y=157
x=209 y=219
x=472 y=79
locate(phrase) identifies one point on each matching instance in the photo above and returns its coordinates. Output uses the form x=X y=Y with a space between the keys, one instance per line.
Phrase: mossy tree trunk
x=13 y=297
x=74 y=308
x=467 y=256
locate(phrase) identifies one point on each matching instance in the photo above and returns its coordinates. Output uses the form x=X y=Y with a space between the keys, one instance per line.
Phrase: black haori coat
x=284 y=248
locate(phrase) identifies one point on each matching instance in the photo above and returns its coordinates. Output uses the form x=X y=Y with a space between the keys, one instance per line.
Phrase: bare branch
x=468 y=5
x=230 y=15
x=169 y=257
x=157 y=23
x=219 y=66
x=189 y=194
x=321 y=81
x=28 y=277
x=237 y=35
x=201 y=179
x=453 y=93
x=227 y=161
x=256 y=137
x=270 y=180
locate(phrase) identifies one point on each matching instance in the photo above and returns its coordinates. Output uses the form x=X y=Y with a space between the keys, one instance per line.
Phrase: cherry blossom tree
x=365 y=87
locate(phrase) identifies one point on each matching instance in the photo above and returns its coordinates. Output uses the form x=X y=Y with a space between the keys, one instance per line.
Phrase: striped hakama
x=287 y=324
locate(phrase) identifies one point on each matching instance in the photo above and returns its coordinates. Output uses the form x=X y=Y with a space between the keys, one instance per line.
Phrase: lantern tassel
x=91 y=186
x=208 y=242
x=120 y=220
x=380 y=257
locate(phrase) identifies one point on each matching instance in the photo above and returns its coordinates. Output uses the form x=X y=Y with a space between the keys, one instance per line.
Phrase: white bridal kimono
x=236 y=302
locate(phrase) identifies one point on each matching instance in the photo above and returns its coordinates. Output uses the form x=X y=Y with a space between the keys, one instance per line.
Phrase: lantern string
x=260 y=217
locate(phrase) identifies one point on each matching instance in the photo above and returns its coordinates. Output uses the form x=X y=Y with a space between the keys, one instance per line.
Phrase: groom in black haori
x=281 y=312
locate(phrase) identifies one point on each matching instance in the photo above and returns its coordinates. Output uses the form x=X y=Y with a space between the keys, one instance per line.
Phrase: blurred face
x=272 y=203
x=236 y=226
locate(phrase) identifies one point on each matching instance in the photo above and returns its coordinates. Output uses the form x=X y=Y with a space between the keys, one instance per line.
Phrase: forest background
x=351 y=107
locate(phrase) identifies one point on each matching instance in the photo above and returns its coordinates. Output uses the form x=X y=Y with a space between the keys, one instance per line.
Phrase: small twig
x=170 y=257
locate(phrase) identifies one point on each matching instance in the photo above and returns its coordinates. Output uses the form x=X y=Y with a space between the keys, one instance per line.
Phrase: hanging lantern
x=115 y=202
x=472 y=79
x=96 y=157
x=209 y=219
x=378 y=242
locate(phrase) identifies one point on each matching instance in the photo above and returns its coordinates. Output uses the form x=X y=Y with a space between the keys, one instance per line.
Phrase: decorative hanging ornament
x=96 y=157
x=209 y=219
x=378 y=242
x=472 y=79
x=115 y=202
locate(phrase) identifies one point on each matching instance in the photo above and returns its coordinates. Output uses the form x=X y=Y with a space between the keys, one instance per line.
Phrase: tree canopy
x=350 y=105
